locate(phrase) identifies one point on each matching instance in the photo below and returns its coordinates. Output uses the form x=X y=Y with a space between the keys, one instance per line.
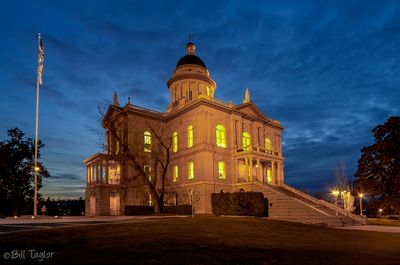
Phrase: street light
x=360 y=195
x=336 y=194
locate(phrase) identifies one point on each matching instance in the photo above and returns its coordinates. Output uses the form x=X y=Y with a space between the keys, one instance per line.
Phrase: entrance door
x=114 y=203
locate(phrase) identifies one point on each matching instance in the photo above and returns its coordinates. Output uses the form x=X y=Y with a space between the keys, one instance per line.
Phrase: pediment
x=251 y=109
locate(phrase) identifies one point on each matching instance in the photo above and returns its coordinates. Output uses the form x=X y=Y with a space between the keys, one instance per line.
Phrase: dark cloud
x=328 y=71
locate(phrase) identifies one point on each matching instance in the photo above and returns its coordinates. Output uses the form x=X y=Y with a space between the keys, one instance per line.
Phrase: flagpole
x=36 y=169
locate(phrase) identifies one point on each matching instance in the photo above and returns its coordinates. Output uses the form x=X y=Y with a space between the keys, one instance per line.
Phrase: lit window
x=268 y=145
x=269 y=176
x=175 y=173
x=220 y=135
x=208 y=91
x=190 y=136
x=191 y=170
x=147 y=141
x=175 y=142
x=221 y=169
x=147 y=170
x=246 y=141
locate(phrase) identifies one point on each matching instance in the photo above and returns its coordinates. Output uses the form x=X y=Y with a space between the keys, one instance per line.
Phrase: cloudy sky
x=329 y=71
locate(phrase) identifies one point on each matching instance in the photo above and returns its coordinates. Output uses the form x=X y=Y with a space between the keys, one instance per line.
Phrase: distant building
x=216 y=145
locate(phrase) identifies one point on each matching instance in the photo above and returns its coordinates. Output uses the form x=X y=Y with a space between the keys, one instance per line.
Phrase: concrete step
x=287 y=205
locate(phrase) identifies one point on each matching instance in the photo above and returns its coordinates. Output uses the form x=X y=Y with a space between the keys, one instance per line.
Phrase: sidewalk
x=373 y=228
x=80 y=219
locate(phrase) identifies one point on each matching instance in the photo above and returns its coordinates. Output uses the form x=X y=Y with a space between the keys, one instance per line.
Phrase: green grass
x=387 y=222
x=208 y=240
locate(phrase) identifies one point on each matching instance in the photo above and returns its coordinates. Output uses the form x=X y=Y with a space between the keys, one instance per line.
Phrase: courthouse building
x=216 y=146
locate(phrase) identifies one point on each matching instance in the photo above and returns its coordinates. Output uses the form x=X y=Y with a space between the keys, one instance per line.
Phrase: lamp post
x=360 y=195
x=335 y=193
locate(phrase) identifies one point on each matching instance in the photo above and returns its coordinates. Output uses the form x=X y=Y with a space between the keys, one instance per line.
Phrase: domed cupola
x=190 y=58
x=190 y=80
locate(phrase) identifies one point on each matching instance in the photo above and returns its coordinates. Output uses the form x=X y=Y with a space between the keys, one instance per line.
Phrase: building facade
x=214 y=146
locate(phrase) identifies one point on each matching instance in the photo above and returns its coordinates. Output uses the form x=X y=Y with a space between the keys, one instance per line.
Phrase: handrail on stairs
x=361 y=219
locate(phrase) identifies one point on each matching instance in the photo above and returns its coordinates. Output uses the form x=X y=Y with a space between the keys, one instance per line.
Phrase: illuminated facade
x=214 y=145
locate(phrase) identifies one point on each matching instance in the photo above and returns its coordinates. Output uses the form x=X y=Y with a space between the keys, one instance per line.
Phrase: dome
x=190 y=59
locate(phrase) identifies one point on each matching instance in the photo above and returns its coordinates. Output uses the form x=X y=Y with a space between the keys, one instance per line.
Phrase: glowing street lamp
x=360 y=195
x=335 y=193
x=37 y=169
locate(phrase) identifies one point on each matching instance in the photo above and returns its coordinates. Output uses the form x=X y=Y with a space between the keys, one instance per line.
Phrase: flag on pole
x=40 y=60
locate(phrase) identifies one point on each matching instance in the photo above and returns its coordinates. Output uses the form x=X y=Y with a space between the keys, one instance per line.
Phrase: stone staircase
x=287 y=203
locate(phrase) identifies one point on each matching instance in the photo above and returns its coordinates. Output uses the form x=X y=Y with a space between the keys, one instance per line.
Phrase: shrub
x=239 y=203
x=139 y=210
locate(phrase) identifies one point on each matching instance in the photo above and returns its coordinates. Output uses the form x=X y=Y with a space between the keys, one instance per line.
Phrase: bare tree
x=132 y=155
x=344 y=186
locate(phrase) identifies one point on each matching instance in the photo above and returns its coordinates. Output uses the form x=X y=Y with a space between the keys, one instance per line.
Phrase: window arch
x=246 y=141
x=147 y=141
x=220 y=135
x=175 y=142
x=268 y=145
x=190 y=136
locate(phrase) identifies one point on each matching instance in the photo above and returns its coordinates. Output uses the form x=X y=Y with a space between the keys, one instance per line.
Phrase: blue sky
x=328 y=70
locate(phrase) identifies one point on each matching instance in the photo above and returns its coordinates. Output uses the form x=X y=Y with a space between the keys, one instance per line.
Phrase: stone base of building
x=284 y=202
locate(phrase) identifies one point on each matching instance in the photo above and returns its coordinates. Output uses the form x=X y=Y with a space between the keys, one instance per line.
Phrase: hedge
x=145 y=210
x=139 y=210
x=239 y=203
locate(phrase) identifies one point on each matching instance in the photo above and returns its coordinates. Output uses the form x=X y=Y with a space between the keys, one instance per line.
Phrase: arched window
x=246 y=141
x=175 y=142
x=220 y=135
x=190 y=136
x=268 y=145
x=147 y=141
x=221 y=169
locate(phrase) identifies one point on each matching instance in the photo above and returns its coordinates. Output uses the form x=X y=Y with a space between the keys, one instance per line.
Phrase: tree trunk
x=155 y=201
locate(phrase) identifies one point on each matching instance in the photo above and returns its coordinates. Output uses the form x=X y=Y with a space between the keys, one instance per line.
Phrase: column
x=235 y=170
x=259 y=172
x=278 y=173
x=273 y=175
x=101 y=171
x=251 y=168
x=97 y=172
x=246 y=169
x=106 y=180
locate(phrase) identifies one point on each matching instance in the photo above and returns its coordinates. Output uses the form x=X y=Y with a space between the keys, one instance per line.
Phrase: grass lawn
x=207 y=240
x=378 y=221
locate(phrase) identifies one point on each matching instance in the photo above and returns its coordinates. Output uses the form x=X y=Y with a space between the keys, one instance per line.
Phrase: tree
x=17 y=172
x=344 y=187
x=378 y=172
x=132 y=155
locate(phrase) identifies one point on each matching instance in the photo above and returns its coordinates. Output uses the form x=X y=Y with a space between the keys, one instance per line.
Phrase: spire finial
x=115 y=97
x=246 y=96
x=190 y=47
